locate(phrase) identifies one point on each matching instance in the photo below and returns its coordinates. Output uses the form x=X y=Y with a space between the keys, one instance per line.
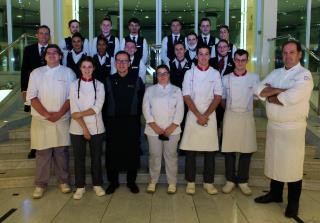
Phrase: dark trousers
x=208 y=168
x=79 y=149
x=113 y=176
x=294 y=191
x=242 y=175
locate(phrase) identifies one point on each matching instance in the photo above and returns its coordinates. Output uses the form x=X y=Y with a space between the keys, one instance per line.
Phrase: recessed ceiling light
x=147 y=17
x=19 y=16
x=180 y=17
x=233 y=17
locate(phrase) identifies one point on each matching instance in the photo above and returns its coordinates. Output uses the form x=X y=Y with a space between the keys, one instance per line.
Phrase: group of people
x=202 y=102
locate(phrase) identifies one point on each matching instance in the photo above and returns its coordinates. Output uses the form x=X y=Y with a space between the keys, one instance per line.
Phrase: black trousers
x=79 y=149
x=242 y=175
x=208 y=168
x=294 y=191
x=113 y=176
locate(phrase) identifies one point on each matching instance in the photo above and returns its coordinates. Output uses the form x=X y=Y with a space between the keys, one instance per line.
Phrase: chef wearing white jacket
x=239 y=132
x=202 y=92
x=287 y=91
x=163 y=109
x=48 y=92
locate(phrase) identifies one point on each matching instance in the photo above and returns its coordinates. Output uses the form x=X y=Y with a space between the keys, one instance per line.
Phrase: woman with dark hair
x=163 y=110
x=86 y=100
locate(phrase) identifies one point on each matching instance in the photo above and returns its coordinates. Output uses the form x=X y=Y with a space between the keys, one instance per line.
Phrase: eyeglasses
x=164 y=74
x=240 y=61
x=122 y=61
x=223 y=47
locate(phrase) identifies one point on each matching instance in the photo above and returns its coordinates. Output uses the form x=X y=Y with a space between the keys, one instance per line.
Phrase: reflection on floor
x=125 y=207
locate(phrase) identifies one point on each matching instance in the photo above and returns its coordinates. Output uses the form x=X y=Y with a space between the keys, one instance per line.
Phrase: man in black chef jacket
x=121 y=113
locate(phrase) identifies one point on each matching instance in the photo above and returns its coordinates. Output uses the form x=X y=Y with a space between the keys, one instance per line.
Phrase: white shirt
x=93 y=46
x=201 y=86
x=86 y=101
x=145 y=47
x=86 y=48
x=164 y=106
x=295 y=100
x=164 y=49
x=216 y=40
x=183 y=63
x=76 y=57
x=239 y=91
x=51 y=86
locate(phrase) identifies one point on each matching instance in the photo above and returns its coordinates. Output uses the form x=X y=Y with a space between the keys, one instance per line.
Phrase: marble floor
x=125 y=207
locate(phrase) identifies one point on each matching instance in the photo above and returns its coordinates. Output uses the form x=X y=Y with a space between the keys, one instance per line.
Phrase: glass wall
x=83 y=17
x=3 y=23
x=103 y=8
x=214 y=10
x=235 y=21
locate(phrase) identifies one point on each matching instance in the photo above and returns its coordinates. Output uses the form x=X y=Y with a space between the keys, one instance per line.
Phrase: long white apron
x=284 y=155
x=45 y=134
x=239 y=132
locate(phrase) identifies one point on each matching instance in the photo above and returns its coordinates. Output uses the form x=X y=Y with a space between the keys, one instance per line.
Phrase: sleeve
x=72 y=78
x=224 y=87
x=73 y=96
x=24 y=70
x=186 y=89
x=146 y=107
x=86 y=47
x=213 y=51
x=255 y=85
x=97 y=107
x=142 y=71
x=262 y=85
x=145 y=51
x=116 y=46
x=164 y=50
x=234 y=49
x=113 y=66
x=62 y=44
x=32 y=91
x=93 y=46
x=122 y=44
x=179 y=113
x=64 y=59
x=300 y=91
x=217 y=85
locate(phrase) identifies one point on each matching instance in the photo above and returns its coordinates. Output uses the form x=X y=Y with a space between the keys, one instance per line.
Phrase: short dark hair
x=134 y=20
x=130 y=41
x=55 y=46
x=163 y=66
x=222 y=41
x=241 y=52
x=78 y=35
x=72 y=21
x=297 y=43
x=122 y=52
x=175 y=20
x=192 y=34
x=205 y=20
x=203 y=47
x=101 y=37
x=224 y=27
x=88 y=59
x=178 y=43
x=43 y=27
x=107 y=18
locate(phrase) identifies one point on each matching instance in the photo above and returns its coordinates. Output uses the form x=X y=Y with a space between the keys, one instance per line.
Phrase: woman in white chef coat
x=202 y=92
x=86 y=100
x=163 y=110
x=287 y=93
x=239 y=132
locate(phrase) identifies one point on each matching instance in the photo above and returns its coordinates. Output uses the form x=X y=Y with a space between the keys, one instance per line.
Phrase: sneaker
x=228 y=187
x=79 y=193
x=172 y=188
x=191 y=188
x=38 y=192
x=65 y=188
x=245 y=189
x=99 y=191
x=210 y=188
x=151 y=188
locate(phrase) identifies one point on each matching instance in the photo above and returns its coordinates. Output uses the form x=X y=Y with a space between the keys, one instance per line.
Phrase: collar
x=86 y=80
x=131 y=35
x=105 y=55
x=239 y=75
x=176 y=60
x=173 y=35
x=292 y=68
x=203 y=35
x=53 y=68
x=163 y=87
x=39 y=45
x=74 y=52
x=203 y=69
x=220 y=57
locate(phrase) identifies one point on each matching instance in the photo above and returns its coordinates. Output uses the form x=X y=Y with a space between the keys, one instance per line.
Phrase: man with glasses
x=121 y=114
x=33 y=57
x=239 y=132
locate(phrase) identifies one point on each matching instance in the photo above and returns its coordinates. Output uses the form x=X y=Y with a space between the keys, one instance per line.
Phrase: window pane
x=214 y=10
x=103 y=8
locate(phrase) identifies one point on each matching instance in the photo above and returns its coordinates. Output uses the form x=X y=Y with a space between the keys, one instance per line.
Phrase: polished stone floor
x=125 y=207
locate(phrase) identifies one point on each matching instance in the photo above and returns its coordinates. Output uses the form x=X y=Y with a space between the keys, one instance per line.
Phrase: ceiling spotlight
x=147 y=17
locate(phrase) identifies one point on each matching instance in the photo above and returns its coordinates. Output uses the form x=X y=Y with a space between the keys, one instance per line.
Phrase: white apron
x=45 y=134
x=200 y=138
x=239 y=132
x=284 y=155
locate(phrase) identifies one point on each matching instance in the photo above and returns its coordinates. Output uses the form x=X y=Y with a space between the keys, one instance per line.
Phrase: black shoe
x=133 y=188
x=292 y=210
x=267 y=198
x=112 y=188
x=32 y=154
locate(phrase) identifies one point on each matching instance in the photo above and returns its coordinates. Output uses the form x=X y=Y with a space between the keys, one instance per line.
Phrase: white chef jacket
x=164 y=106
x=145 y=47
x=51 y=86
x=239 y=91
x=93 y=46
x=86 y=101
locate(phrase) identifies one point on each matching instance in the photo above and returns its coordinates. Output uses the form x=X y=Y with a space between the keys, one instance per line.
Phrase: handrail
x=290 y=37
x=11 y=45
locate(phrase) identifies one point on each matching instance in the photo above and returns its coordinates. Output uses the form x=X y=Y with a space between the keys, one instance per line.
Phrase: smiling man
x=287 y=93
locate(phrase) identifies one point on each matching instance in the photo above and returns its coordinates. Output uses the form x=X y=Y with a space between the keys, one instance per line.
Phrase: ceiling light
x=147 y=17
